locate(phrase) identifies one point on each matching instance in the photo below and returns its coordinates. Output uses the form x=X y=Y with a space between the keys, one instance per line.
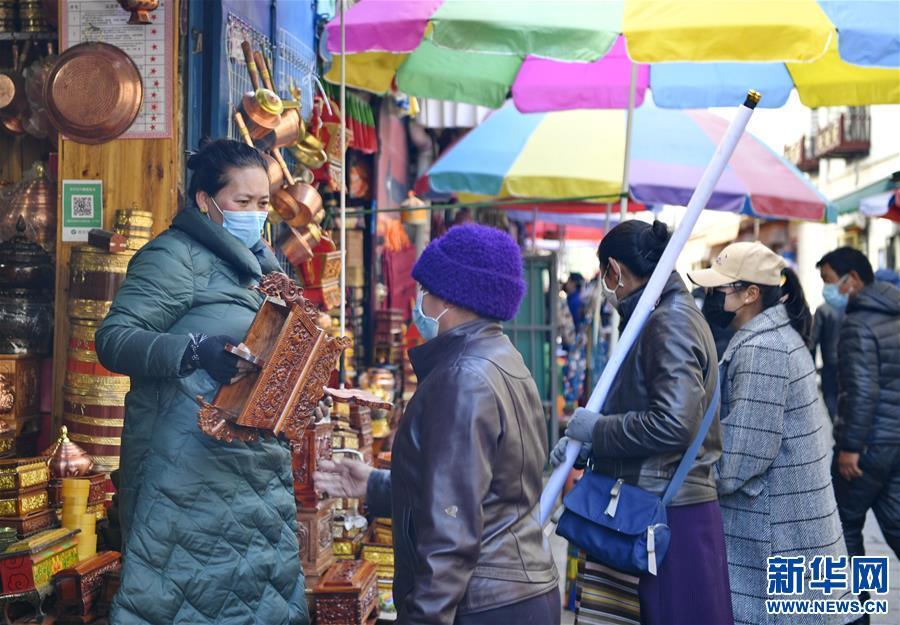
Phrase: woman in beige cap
x=773 y=478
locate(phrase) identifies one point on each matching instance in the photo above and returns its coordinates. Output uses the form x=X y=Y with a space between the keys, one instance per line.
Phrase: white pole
x=629 y=123
x=652 y=290
x=343 y=172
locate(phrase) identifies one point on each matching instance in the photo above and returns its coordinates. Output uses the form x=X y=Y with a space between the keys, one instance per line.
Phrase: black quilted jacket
x=869 y=370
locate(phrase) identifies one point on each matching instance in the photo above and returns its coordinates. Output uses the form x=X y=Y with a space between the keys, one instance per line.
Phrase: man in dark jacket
x=467 y=463
x=826 y=331
x=867 y=430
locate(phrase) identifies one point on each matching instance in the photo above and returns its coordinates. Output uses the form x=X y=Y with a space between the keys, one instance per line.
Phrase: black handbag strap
x=687 y=461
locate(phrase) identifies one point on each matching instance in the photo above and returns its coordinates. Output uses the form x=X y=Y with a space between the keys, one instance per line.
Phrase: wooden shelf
x=27 y=36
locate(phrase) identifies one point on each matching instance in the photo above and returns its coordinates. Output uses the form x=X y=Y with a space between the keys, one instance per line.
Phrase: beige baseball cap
x=749 y=262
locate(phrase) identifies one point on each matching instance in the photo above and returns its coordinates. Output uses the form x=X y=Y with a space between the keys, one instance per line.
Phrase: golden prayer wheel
x=93 y=399
x=94 y=279
x=136 y=226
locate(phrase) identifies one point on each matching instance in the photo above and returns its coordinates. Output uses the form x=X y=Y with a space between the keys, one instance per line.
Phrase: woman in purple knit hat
x=467 y=462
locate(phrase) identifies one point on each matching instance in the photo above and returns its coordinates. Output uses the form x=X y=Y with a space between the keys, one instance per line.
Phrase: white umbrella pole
x=343 y=172
x=652 y=290
x=629 y=123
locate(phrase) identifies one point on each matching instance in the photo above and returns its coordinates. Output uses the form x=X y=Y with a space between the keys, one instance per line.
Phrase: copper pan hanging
x=261 y=107
x=273 y=169
x=93 y=93
x=297 y=203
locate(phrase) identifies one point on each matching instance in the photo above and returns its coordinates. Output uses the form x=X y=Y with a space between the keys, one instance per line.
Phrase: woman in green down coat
x=209 y=528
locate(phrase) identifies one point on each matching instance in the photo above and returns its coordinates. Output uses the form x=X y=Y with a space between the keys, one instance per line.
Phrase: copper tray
x=93 y=93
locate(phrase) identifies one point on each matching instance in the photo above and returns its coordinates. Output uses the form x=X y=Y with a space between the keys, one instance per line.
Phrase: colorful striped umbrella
x=580 y=154
x=473 y=51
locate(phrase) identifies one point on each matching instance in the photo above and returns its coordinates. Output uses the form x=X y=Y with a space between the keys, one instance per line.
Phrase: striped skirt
x=606 y=596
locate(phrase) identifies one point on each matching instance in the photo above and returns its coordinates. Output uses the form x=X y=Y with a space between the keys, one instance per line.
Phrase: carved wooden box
x=30 y=524
x=79 y=587
x=314 y=445
x=19 y=388
x=31 y=563
x=314 y=536
x=19 y=474
x=108 y=590
x=296 y=358
x=20 y=503
x=347 y=594
x=97 y=493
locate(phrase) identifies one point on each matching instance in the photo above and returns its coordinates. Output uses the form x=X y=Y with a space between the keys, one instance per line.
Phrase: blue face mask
x=246 y=226
x=428 y=326
x=833 y=296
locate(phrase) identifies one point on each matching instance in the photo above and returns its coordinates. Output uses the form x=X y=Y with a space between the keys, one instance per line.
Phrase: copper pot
x=23 y=263
x=67 y=459
x=276 y=176
x=35 y=202
x=297 y=204
x=140 y=10
x=93 y=93
x=262 y=112
x=26 y=310
x=273 y=167
x=288 y=131
x=297 y=245
x=261 y=107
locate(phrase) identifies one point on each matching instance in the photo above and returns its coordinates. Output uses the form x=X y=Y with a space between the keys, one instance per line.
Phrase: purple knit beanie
x=475 y=267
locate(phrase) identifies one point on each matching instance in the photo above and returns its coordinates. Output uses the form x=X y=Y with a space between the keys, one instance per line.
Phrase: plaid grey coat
x=774 y=476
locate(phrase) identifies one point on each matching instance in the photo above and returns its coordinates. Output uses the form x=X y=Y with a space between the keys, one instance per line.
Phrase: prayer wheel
x=136 y=226
x=95 y=278
x=93 y=399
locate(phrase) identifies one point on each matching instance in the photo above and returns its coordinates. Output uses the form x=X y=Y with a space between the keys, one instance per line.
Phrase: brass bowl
x=309 y=158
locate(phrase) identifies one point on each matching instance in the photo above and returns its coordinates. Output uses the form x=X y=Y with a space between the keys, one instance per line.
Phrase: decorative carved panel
x=299 y=357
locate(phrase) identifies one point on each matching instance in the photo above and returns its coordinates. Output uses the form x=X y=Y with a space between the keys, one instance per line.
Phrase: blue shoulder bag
x=623 y=526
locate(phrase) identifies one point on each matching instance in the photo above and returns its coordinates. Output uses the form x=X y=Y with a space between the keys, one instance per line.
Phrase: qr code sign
x=83 y=206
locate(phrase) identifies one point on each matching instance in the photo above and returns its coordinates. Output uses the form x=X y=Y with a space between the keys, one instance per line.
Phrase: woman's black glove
x=208 y=353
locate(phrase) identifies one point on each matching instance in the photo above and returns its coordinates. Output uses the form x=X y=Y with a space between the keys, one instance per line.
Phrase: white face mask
x=610 y=294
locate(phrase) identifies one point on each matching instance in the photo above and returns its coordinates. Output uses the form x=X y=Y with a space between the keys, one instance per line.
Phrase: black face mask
x=714 y=309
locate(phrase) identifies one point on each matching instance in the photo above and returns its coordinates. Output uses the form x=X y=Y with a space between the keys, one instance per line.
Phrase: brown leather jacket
x=658 y=400
x=466 y=481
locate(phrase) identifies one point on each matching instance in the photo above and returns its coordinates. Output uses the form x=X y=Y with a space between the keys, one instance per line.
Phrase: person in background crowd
x=573 y=288
x=467 y=462
x=651 y=415
x=773 y=478
x=866 y=468
x=826 y=331
x=209 y=528
x=576 y=350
